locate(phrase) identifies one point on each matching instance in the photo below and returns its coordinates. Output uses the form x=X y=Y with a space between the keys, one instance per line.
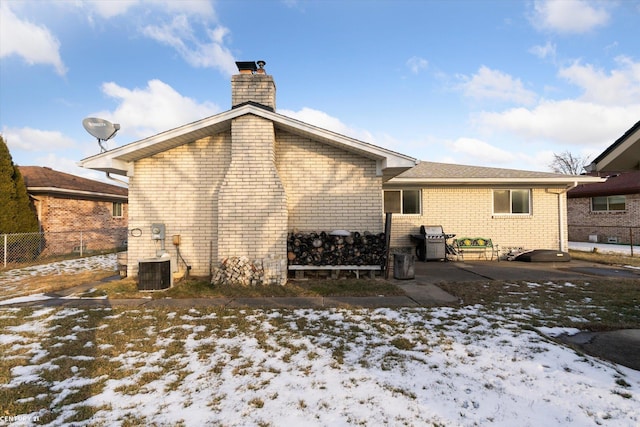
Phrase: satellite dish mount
x=101 y=129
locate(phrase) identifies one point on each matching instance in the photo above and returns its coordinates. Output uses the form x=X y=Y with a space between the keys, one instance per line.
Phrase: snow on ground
x=333 y=367
x=70 y=266
x=604 y=248
x=10 y=280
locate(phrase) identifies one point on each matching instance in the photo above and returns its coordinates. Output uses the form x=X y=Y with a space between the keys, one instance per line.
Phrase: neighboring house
x=237 y=183
x=609 y=212
x=622 y=155
x=67 y=203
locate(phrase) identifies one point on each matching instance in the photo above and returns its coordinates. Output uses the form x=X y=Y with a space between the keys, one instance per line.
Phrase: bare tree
x=568 y=163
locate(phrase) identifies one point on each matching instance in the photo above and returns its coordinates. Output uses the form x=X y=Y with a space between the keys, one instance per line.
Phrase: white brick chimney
x=252 y=204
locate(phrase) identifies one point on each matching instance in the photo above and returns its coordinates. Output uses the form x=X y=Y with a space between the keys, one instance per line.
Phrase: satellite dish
x=102 y=129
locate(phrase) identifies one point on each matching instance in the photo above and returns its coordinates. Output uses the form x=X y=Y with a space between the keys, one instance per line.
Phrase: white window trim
x=401 y=190
x=524 y=214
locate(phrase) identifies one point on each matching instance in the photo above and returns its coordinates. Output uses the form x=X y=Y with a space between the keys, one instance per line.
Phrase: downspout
x=560 y=217
x=116 y=179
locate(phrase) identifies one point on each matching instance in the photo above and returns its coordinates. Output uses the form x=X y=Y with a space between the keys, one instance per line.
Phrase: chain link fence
x=607 y=234
x=29 y=248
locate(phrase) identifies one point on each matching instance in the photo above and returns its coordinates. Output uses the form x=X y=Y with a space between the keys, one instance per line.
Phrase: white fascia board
x=107 y=164
x=619 y=154
x=56 y=190
x=119 y=160
x=569 y=181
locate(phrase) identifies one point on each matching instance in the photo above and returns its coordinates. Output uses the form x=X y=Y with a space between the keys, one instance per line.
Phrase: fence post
x=5 y=250
x=81 y=243
x=631 y=239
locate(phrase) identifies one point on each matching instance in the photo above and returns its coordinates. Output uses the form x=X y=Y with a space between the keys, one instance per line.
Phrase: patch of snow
x=554 y=332
x=28 y=298
x=313 y=367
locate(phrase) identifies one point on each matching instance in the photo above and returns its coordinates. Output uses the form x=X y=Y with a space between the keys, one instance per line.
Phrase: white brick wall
x=179 y=188
x=252 y=206
x=328 y=188
x=467 y=212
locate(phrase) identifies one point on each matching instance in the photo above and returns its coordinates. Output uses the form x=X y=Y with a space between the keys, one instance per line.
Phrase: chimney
x=253 y=85
x=252 y=210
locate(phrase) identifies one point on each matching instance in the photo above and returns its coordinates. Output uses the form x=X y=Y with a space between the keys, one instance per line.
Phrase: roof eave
x=67 y=192
x=120 y=160
x=572 y=181
x=622 y=155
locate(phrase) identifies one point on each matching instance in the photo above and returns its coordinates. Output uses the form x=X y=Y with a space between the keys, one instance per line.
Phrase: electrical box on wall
x=157 y=232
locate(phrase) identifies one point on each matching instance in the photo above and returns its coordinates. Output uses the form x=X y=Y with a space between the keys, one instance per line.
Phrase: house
x=236 y=184
x=67 y=204
x=609 y=212
x=516 y=209
x=622 y=155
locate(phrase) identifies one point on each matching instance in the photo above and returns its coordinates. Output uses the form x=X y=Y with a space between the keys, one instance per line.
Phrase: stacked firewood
x=238 y=271
x=336 y=248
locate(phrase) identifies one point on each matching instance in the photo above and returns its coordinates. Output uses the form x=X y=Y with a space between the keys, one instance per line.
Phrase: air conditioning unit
x=612 y=239
x=154 y=274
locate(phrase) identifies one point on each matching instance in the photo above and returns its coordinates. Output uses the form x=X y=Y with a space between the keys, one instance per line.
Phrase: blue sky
x=491 y=83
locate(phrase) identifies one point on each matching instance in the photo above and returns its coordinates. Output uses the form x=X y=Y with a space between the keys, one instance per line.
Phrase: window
x=609 y=203
x=402 y=201
x=116 y=210
x=512 y=202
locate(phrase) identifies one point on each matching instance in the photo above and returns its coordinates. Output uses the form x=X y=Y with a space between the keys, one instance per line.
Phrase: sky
x=489 y=83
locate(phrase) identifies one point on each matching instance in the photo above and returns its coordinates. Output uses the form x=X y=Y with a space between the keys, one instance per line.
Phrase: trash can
x=403 y=267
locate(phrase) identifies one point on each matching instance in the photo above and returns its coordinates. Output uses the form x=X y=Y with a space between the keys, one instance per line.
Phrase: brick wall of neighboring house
x=468 y=212
x=328 y=188
x=60 y=217
x=583 y=222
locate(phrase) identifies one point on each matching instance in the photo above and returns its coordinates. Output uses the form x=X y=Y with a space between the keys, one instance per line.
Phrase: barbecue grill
x=432 y=243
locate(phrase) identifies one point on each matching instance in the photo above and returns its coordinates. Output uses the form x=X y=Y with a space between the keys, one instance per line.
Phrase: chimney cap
x=247 y=66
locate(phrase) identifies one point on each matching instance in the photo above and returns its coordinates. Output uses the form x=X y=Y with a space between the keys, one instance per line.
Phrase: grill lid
x=431 y=229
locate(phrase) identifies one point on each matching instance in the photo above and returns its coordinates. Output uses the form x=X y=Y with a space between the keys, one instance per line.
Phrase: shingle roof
x=452 y=173
x=623 y=183
x=40 y=179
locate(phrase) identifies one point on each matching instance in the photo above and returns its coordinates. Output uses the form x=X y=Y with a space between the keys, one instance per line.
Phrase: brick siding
x=322 y=188
x=179 y=188
x=467 y=212
x=93 y=217
x=328 y=188
x=583 y=222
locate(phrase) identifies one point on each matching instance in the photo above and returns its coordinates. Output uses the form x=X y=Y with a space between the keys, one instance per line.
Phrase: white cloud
x=211 y=53
x=543 y=52
x=33 y=43
x=619 y=87
x=488 y=84
x=417 y=64
x=325 y=121
x=29 y=139
x=156 y=108
x=480 y=152
x=111 y=9
x=562 y=122
x=568 y=16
